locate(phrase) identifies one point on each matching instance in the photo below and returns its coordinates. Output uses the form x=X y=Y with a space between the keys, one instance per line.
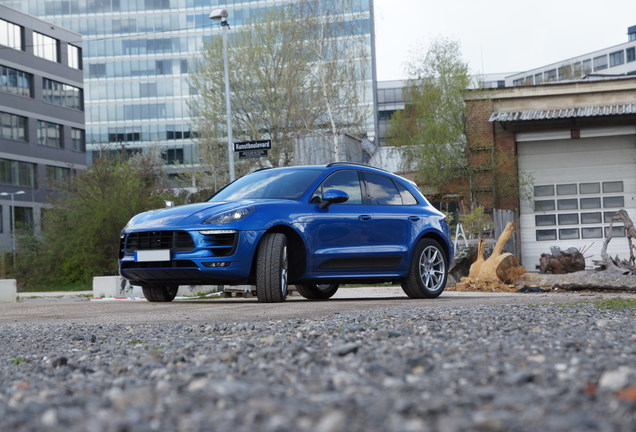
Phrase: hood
x=180 y=216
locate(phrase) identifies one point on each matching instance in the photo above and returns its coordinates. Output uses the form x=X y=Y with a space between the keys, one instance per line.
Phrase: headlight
x=230 y=216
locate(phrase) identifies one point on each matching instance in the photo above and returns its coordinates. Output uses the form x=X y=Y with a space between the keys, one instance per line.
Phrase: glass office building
x=136 y=55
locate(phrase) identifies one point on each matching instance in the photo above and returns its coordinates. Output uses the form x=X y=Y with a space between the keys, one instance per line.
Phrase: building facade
x=569 y=152
x=616 y=60
x=136 y=62
x=42 y=136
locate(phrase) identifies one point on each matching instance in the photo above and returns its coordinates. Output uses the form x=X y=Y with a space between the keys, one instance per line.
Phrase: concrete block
x=8 y=291
x=114 y=287
x=118 y=287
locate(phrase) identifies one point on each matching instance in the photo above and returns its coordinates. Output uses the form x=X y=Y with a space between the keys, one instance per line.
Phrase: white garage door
x=575 y=187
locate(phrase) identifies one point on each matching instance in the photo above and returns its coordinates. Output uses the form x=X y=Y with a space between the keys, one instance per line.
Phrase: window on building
x=617 y=58
x=630 y=54
x=600 y=63
x=74 y=56
x=13 y=127
x=579 y=217
x=538 y=78
x=586 y=67
x=173 y=156
x=61 y=94
x=551 y=75
x=566 y=72
x=49 y=134
x=147 y=89
x=78 y=140
x=24 y=217
x=97 y=70
x=17 y=173
x=15 y=81
x=46 y=47
x=56 y=174
x=11 y=35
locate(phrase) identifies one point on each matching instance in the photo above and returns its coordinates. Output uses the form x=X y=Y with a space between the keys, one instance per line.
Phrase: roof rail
x=355 y=164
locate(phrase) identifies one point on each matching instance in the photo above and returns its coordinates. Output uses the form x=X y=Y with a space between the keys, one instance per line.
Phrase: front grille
x=176 y=241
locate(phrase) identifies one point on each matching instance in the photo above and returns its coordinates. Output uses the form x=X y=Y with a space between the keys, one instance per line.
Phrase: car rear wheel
x=160 y=293
x=428 y=272
x=272 y=268
x=317 y=291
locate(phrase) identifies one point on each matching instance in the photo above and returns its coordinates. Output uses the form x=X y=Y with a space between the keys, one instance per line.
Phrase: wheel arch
x=297 y=252
x=441 y=240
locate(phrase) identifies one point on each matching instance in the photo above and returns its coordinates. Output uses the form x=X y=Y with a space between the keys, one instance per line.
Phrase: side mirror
x=333 y=196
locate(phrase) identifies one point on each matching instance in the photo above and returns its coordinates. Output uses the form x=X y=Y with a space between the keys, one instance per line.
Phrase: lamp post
x=221 y=15
x=12 y=194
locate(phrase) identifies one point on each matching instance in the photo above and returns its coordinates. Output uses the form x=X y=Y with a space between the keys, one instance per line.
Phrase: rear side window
x=381 y=190
x=346 y=181
x=407 y=197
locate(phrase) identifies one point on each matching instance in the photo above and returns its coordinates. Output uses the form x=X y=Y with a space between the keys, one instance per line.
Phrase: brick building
x=563 y=156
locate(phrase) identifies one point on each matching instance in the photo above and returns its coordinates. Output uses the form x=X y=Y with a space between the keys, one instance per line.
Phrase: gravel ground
x=492 y=368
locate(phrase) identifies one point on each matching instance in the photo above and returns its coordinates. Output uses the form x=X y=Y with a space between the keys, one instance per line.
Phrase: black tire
x=160 y=293
x=272 y=268
x=317 y=291
x=428 y=272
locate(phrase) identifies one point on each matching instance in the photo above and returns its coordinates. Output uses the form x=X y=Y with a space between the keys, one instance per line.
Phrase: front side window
x=346 y=181
x=46 y=47
x=49 y=134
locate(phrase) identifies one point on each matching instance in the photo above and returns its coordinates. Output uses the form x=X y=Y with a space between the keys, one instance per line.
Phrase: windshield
x=269 y=184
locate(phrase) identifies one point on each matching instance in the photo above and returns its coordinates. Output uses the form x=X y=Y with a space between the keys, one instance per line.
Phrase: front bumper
x=209 y=262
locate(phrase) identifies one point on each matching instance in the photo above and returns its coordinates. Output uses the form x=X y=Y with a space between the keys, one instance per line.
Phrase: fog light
x=216 y=264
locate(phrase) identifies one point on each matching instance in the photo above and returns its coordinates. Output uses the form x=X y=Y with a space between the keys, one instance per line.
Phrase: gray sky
x=498 y=35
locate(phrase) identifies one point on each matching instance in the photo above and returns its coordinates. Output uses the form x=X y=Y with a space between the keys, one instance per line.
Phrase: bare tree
x=431 y=128
x=294 y=72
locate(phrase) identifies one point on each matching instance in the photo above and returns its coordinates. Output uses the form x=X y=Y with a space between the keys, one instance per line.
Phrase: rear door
x=395 y=219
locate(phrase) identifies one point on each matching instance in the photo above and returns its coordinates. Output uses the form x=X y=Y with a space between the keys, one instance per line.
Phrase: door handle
x=364 y=217
x=414 y=218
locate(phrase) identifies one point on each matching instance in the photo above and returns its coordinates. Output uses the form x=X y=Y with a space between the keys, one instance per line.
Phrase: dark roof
x=563 y=113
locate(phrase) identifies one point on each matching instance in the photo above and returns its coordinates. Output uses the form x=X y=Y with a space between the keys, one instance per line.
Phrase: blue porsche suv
x=311 y=226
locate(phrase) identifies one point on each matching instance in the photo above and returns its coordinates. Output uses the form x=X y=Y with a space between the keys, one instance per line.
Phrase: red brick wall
x=492 y=155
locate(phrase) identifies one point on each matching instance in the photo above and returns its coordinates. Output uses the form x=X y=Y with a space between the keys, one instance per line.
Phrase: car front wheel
x=427 y=275
x=160 y=293
x=317 y=291
x=272 y=268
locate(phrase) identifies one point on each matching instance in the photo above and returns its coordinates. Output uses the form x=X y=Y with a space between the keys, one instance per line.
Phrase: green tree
x=80 y=234
x=293 y=72
x=431 y=127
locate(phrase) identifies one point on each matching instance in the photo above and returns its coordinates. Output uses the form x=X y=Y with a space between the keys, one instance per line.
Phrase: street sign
x=252 y=154
x=253 y=145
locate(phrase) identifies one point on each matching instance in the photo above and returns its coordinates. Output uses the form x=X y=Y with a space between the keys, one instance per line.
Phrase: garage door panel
x=593 y=162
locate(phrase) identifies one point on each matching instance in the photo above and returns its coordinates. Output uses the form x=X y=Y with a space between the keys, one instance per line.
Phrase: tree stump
x=499 y=267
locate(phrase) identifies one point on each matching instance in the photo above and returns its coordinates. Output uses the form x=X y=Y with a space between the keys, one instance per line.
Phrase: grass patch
x=19 y=361
x=615 y=303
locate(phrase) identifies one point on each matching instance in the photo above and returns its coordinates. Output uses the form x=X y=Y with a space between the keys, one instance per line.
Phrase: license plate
x=152 y=255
